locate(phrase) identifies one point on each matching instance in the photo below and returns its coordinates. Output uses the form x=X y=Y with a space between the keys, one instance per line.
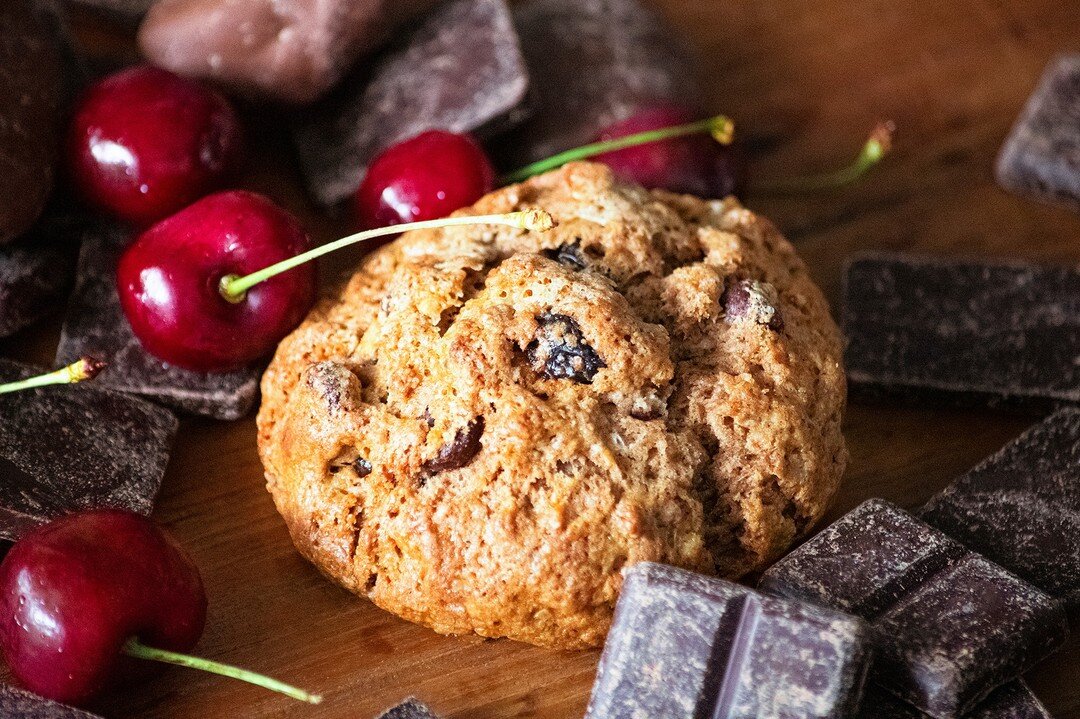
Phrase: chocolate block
x=1009 y=701
x=460 y=70
x=20 y=704
x=686 y=645
x=1021 y=507
x=1041 y=156
x=949 y=626
x=95 y=325
x=35 y=272
x=76 y=447
x=409 y=709
x=962 y=332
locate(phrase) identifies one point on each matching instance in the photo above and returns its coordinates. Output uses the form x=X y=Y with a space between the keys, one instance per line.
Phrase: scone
x=485 y=425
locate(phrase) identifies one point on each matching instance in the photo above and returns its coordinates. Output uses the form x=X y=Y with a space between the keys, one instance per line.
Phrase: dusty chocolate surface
x=1021 y=507
x=687 y=645
x=964 y=332
x=35 y=272
x=1013 y=700
x=95 y=325
x=21 y=704
x=461 y=70
x=409 y=709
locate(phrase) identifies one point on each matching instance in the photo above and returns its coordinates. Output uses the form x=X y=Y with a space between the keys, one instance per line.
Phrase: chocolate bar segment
x=35 y=272
x=949 y=626
x=21 y=704
x=962 y=332
x=461 y=70
x=683 y=645
x=75 y=447
x=411 y=708
x=95 y=325
x=1009 y=701
x=1041 y=157
x=1021 y=507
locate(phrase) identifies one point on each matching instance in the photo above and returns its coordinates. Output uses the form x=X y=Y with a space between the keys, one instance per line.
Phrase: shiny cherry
x=169 y=282
x=423 y=178
x=143 y=143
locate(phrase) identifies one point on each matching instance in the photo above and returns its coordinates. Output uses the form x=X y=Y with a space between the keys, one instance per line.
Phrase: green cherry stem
x=234 y=287
x=135 y=648
x=876 y=147
x=720 y=127
x=83 y=369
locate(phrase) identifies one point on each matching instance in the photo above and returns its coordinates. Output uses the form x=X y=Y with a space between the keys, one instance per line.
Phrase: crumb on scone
x=484 y=425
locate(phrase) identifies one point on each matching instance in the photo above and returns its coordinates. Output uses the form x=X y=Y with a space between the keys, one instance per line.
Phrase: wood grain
x=805 y=80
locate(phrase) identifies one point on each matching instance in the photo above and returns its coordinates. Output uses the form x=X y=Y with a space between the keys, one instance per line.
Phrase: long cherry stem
x=135 y=648
x=234 y=288
x=720 y=127
x=85 y=368
x=876 y=147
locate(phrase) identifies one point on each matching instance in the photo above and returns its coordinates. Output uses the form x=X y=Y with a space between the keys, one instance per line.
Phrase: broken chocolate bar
x=408 y=709
x=21 y=704
x=963 y=332
x=95 y=325
x=76 y=447
x=34 y=274
x=1021 y=507
x=1041 y=157
x=460 y=70
x=949 y=626
x=687 y=645
x=1009 y=701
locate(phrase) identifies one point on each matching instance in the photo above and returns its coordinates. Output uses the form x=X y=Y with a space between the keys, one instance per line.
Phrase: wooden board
x=806 y=79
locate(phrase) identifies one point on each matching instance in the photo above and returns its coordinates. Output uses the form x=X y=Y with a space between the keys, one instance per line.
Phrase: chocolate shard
x=411 y=708
x=1041 y=156
x=76 y=447
x=949 y=626
x=1021 y=507
x=683 y=645
x=21 y=704
x=1009 y=701
x=962 y=332
x=95 y=325
x=461 y=70
x=35 y=273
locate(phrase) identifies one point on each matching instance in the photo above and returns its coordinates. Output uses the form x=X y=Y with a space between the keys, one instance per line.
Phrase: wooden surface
x=805 y=80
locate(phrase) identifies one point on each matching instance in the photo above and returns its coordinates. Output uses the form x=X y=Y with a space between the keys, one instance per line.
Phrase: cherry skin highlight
x=73 y=591
x=169 y=282
x=144 y=143
x=423 y=178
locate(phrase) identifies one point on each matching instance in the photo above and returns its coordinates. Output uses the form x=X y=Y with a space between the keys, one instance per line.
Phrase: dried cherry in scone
x=754 y=301
x=560 y=350
x=568 y=255
x=459 y=452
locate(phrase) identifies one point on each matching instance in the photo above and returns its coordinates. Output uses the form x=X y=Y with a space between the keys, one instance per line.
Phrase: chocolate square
x=409 y=709
x=21 y=704
x=35 y=273
x=1009 y=701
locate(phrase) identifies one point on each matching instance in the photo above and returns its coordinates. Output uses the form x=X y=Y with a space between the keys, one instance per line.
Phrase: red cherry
x=423 y=178
x=169 y=282
x=74 y=591
x=144 y=143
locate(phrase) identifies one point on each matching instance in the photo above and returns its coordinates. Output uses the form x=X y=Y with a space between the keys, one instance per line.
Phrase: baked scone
x=485 y=425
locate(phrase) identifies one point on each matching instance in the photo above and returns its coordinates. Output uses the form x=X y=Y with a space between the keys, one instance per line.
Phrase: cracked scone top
x=485 y=425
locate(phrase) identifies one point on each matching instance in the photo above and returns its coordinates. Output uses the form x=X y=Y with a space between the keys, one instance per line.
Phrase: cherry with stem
x=83 y=369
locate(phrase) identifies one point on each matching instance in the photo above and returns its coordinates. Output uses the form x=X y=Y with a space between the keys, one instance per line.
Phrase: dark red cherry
x=423 y=178
x=74 y=591
x=694 y=164
x=169 y=282
x=144 y=143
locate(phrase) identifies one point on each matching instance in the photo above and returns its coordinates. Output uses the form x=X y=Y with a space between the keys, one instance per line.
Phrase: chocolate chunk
x=1041 y=157
x=408 y=709
x=1009 y=701
x=76 y=447
x=460 y=70
x=752 y=301
x=1021 y=507
x=567 y=255
x=362 y=467
x=459 y=452
x=31 y=90
x=95 y=325
x=965 y=332
x=21 y=704
x=683 y=645
x=949 y=626
x=560 y=350
x=35 y=272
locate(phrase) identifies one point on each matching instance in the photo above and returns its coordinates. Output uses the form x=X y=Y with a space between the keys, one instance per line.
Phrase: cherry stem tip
x=876 y=147
x=85 y=368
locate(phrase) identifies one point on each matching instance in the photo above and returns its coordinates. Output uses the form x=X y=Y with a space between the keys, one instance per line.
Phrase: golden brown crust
x=484 y=425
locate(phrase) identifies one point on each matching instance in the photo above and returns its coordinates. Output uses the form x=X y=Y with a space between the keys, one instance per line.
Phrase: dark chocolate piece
x=35 y=272
x=460 y=70
x=95 y=325
x=684 y=645
x=949 y=626
x=21 y=704
x=1041 y=157
x=1021 y=507
x=76 y=447
x=409 y=709
x=963 y=332
x=1009 y=701
x=560 y=350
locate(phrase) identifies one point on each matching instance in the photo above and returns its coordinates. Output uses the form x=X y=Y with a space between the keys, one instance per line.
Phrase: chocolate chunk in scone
x=95 y=324
x=1041 y=157
x=21 y=704
x=963 y=332
x=684 y=646
x=408 y=709
x=926 y=597
x=77 y=447
x=461 y=70
x=1020 y=507
x=1013 y=700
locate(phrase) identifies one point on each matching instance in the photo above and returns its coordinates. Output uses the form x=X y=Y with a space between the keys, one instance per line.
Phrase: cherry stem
x=720 y=127
x=234 y=288
x=83 y=369
x=877 y=147
x=134 y=648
